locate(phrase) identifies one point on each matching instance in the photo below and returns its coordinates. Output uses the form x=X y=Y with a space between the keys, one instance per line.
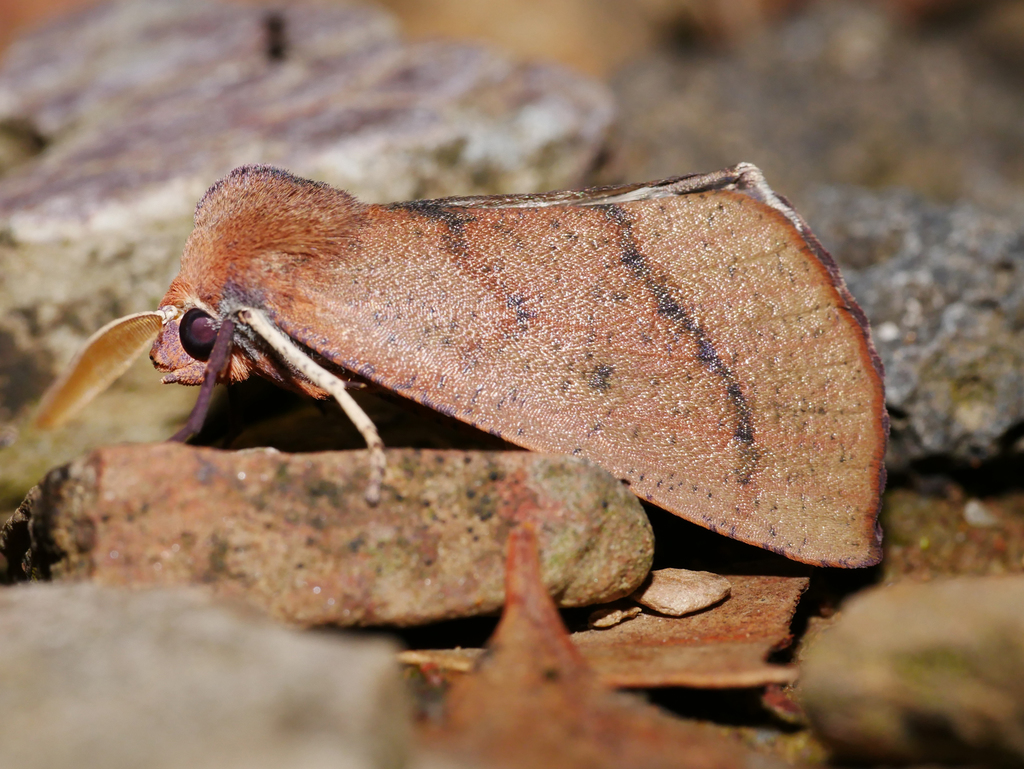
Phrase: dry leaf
x=724 y=647
x=534 y=701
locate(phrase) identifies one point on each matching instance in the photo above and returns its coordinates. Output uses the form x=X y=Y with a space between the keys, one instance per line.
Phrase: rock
x=841 y=93
x=134 y=108
x=96 y=677
x=923 y=673
x=294 y=536
x=943 y=287
x=976 y=514
x=676 y=592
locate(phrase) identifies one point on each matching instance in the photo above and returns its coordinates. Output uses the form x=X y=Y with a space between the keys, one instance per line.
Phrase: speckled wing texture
x=691 y=336
x=106 y=355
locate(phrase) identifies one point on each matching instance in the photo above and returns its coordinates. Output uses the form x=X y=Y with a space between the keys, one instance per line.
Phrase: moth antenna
x=106 y=355
x=290 y=353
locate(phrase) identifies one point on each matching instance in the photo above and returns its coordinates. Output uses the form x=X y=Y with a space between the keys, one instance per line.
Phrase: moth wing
x=106 y=355
x=690 y=336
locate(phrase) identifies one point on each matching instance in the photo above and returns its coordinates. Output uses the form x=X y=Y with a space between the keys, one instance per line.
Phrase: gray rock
x=135 y=108
x=922 y=673
x=840 y=92
x=95 y=677
x=943 y=287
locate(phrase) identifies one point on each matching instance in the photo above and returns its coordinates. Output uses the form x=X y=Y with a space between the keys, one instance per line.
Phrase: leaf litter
x=533 y=700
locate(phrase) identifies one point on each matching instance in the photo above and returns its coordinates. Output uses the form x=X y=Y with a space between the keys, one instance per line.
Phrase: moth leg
x=216 y=367
x=324 y=379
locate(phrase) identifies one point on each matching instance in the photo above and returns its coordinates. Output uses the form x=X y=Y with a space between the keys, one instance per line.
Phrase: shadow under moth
x=690 y=335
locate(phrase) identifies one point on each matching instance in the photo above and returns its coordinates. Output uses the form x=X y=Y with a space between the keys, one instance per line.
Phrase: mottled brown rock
x=135 y=108
x=293 y=535
x=675 y=592
x=922 y=673
x=99 y=678
x=722 y=648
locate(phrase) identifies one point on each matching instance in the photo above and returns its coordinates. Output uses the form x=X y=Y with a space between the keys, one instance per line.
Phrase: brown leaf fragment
x=457 y=660
x=720 y=648
x=612 y=614
x=533 y=701
x=724 y=647
x=676 y=592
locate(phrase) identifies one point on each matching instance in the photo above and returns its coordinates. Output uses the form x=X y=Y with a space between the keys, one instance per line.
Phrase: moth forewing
x=293 y=356
x=107 y=354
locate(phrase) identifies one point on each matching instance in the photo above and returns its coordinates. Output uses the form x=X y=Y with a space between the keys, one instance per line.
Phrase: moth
x=690 y=335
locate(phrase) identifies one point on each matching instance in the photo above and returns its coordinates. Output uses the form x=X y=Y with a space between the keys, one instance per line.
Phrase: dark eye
x=197 y=334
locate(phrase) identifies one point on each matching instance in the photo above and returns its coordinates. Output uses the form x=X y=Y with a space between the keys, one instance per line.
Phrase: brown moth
x=690 y=335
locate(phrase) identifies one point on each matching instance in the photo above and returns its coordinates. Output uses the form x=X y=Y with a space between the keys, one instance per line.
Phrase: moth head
x=186 y=340
x=257 y=228
x=184 y=344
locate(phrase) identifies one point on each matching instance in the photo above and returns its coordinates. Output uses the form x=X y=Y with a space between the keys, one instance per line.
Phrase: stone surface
x=841 y=92
x=675 y=592
x=943 y=287
x=919 y=673
x=95 y=677
x=294 y=536
x=134 y=108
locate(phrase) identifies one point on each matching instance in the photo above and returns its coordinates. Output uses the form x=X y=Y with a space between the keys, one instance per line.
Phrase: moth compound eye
x=197 y=334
